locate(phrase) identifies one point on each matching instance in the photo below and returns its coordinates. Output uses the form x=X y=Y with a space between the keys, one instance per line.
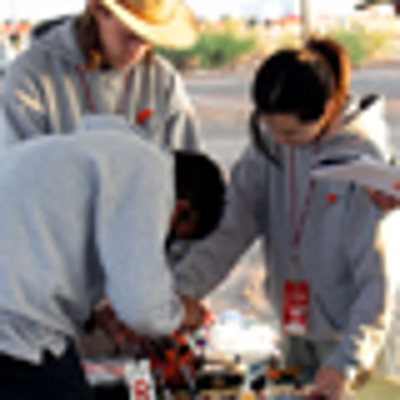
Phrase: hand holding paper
x=384 y=201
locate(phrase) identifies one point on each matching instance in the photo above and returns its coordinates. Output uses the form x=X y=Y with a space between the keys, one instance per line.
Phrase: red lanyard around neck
x=121 y=109
x=299 y=224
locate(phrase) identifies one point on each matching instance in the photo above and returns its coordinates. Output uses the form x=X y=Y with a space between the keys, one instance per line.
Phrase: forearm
x=209 y=262
x=362 y=341
x=371 y=255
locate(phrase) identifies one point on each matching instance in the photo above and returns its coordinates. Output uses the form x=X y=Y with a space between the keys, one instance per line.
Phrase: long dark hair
x=300 y=82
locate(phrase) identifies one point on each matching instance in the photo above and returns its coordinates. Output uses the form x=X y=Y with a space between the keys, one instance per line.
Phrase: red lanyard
x=121 y=109
x=298 y=225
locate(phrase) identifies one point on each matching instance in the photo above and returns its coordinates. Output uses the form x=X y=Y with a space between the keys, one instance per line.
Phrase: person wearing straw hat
x=103 y=62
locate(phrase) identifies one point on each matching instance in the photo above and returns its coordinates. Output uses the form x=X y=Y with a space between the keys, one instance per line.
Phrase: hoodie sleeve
x=132 y=221
x=368 y=253
x=182 y=129
x=24 y=114
x=210 y=261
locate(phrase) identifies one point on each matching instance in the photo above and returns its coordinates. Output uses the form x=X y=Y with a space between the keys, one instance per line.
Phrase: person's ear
x=184 y=220
x=180 y=206
x=183 y=209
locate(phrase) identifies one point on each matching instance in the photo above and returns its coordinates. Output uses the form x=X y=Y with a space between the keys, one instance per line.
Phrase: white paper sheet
x=361 y=169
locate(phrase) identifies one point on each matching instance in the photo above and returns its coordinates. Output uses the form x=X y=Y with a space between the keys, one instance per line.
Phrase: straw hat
x=169 y=23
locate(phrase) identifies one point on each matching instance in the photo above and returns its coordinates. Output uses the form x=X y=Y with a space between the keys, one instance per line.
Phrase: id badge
x=295 y=321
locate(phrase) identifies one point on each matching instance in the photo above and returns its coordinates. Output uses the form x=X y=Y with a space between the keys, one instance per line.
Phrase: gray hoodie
x=43 y=94
x=343 y=255
x=83 y=216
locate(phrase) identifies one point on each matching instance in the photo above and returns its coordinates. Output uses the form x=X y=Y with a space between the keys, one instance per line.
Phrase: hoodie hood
x=370 y=123
x=364 y=129
x=60 y=41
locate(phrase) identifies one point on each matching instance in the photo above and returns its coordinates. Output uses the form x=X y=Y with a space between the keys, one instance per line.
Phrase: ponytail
x=339 y=62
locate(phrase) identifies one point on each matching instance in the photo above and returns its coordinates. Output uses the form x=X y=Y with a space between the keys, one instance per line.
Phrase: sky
x=41 y=9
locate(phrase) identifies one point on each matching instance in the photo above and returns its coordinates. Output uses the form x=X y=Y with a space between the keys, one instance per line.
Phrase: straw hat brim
x=180 y=32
